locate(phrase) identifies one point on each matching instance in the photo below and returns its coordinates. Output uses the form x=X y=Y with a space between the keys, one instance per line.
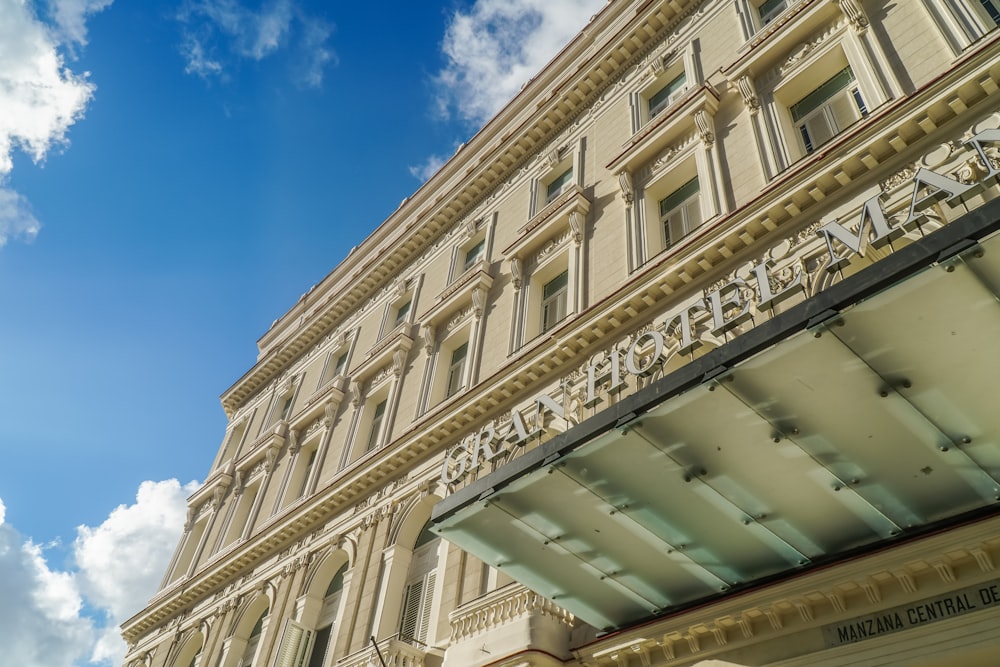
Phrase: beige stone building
x=687 y=357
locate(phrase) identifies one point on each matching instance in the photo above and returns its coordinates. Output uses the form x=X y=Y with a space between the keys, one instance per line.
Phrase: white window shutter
x=294 y=645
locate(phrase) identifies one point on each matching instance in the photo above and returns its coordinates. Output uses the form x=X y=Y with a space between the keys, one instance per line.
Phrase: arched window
x=250 y=652
x=418 y=595
x=327 y=619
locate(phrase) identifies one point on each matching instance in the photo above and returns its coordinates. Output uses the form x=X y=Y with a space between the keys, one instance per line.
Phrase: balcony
x=394 y=652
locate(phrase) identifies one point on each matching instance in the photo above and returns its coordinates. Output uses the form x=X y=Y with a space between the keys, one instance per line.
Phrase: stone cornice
x=563 y=90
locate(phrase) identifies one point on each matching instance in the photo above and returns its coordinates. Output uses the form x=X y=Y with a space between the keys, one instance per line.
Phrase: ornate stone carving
x=516 y=271
x=627 y=187
x=576 y=223
x=749 y=93
x=703 y=122
x=854 y=13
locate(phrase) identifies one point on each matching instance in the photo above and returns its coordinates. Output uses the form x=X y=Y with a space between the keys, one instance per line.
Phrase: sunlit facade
x=685 y=358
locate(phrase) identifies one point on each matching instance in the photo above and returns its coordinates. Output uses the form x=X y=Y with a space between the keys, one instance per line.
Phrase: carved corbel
x=852 y=10
x=516 y=271
x=399 y=288
x=329 y=413
x=469 y=228
x=430 y=339
x=552 y=158
x=626 y=185
x=478 y=301
x=749 y=93
x=398 y=362
x=703 y=122
x=355 y=390
x=576 y=226
x=217 y=495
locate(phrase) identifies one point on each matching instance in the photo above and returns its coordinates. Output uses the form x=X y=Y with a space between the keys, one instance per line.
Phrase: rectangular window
x=770 y=10
x=306 y=474
x=992 y=8
x=680 y=213
x=558 y=185
x=401 y=314
x=376 y=427
x=827 y=111
x=554 y=298
x=473 y=255
x=456 y=371
x=667 y=95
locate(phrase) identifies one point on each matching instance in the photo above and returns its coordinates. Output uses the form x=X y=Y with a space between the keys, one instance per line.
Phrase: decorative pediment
x=693 y=112
x=471 y=287
x=399 y=339
x=566 y=212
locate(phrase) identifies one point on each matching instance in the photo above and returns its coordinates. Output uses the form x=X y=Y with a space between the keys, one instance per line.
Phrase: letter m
x=874 y=229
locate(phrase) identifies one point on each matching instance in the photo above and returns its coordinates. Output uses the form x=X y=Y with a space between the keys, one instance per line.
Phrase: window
x=401 y=313
x=473 y=255
x=770 y=10
x=828 y=110
x=992 y=8
x=306 y=474
x=667 y=95
x=336 y=366
x=376 y=426
x=558 y=185
x=250 y=652
x=418 y=596
x=327 y=616
x=554 y=297
x=456 y=371
x=680 y=213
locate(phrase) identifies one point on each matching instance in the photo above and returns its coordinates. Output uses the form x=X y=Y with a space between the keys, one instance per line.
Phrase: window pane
x=456 y=371
x=992 y=8
x=680 y=212
x=555 y=188
x=554 y=300
x=376 y=426
x=401 y=313
x=824 y=92
x=473 y=254
x=666 y=95
x=770 y=9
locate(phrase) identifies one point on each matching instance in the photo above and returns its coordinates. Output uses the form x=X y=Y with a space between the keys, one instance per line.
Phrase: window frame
x=557 y=301
x=686 y=195
x=823 y=108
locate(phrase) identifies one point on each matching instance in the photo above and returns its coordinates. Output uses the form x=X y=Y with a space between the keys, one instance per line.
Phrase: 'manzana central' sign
x=727 y=308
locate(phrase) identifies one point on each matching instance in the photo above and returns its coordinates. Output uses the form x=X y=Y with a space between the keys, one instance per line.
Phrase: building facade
x=685 y=358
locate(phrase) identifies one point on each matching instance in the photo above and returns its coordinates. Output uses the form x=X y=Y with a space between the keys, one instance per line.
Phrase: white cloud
x=40 y=621
x=216 y=32
x=39 y=96
x=498 y=45
x=71 y=17
x=424 y=171
x=53 y=618
x=16 y=219
x=122 y=561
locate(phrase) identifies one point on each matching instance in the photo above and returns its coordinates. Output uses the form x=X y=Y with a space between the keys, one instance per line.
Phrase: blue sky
x=173 y=176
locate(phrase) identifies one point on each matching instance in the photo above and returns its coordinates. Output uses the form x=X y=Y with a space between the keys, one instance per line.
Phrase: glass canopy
x=866 y=428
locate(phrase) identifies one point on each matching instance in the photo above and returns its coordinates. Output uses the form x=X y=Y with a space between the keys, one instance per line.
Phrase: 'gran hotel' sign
x=726 y=307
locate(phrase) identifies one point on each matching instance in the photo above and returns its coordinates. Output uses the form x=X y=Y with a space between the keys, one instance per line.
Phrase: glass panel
x=376 y=426
x=825 y=91
x=770 y=9
x=554 y=300
x=401 y=313
x=666 y=95
x=992 y=8
x=473 y=254
x=456 y=370
x=555 y=188
x=680 y=212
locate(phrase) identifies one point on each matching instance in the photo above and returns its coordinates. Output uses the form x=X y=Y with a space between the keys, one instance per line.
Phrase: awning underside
x=880 y=421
